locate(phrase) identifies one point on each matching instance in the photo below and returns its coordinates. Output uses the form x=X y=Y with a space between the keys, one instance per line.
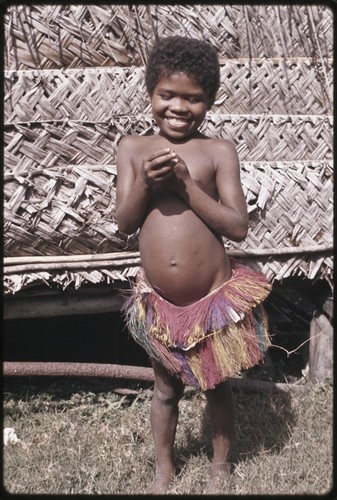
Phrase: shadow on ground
x=263 y=422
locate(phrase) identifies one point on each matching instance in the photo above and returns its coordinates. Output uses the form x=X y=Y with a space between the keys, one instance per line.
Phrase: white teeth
x=177 y=122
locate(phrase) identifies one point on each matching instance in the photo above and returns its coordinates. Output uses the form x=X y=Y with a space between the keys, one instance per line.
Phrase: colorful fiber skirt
x=206 y=342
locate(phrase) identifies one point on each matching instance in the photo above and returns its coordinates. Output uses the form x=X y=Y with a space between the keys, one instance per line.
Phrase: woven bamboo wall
x=74 y=87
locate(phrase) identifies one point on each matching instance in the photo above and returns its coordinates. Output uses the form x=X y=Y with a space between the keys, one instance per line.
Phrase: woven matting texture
x=74 y=87
x=78 y=36
x=257 y=138
x=76 y=207
x=282 y=87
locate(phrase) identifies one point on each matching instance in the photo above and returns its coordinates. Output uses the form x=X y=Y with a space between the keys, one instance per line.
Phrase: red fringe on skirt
x=210 y=340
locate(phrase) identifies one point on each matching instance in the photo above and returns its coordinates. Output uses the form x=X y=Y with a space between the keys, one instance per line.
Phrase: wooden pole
x=61 y=369
x=23 y=264
x=320 y=349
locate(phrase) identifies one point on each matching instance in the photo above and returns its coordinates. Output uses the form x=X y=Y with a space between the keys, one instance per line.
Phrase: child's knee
x=168 y=395
x=167 y=388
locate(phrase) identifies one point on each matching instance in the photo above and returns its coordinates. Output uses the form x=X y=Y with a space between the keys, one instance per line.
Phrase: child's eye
x=165 y=97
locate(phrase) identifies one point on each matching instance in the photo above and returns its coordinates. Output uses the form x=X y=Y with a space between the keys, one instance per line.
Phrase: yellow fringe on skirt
x=210 y=340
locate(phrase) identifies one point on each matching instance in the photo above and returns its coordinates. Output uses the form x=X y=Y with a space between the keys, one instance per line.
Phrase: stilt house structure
x=74 y=86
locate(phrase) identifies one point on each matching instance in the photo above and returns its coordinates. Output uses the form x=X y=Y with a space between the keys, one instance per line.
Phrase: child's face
x=179 y=106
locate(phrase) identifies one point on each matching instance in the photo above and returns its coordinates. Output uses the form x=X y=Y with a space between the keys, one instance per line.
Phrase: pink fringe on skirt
x=210 y=340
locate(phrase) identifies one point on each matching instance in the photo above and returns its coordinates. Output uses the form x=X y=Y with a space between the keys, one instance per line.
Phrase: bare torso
x=182 y=258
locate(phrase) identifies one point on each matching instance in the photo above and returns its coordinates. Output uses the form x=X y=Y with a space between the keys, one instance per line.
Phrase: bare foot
x=222 y=469
x=219 y=472
x=160 y=484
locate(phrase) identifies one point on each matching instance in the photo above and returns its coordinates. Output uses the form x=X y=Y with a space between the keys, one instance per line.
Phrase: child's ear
x=149 y=98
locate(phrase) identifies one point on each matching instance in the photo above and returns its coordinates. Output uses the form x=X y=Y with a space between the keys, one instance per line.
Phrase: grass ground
x=91 y=436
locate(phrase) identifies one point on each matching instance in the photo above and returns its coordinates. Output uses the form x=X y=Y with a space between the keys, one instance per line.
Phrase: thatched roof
x=74 y=87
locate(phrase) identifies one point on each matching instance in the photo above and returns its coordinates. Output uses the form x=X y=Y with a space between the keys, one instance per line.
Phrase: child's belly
x=182 y=258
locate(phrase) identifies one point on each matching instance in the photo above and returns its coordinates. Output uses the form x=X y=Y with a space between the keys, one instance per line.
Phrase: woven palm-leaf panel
x=264 y=138
x=55 y=36
x=290 y=204
x=28 y=148
x=70 y=210
x=63 y=125
x=283 y=87
x=58 y=211
x=258 y=138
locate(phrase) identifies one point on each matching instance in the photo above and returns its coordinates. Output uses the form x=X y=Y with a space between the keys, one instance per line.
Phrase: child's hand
x=158 y=167
x=180 y=170
x=176 y=181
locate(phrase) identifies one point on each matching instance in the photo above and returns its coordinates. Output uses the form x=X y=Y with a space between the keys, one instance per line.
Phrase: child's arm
x=230 y=217
x=134 y=185
x=131 y=196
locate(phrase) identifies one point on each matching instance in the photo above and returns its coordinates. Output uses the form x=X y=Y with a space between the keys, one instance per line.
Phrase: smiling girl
x=197 y=313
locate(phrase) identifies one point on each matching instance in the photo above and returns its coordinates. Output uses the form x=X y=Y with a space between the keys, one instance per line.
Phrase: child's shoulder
x=220 y=141
x=129 y=140
x=134 y=141
x=131 y=145
x=219 y=144
x=223 y=152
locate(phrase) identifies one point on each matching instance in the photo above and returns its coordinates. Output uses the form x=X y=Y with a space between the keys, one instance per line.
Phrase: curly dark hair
x=191 y=56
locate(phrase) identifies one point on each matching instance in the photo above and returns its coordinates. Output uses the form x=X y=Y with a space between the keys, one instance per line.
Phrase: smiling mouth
x=178 y=122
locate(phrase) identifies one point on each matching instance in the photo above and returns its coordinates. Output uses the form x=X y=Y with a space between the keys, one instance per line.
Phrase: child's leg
x=164 y=417
x=222 y=420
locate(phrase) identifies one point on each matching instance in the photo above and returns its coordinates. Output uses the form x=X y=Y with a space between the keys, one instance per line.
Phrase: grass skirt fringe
x=210 y=340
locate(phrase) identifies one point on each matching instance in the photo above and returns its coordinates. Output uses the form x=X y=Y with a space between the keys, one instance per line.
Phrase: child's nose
x=178 y=104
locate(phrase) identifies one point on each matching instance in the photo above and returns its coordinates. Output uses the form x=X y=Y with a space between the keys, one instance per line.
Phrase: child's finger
x=165 y=162
x=163 y=175
x=163 y=154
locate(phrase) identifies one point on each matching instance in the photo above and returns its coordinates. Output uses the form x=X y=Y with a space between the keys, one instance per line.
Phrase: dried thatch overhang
x=109 y=275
